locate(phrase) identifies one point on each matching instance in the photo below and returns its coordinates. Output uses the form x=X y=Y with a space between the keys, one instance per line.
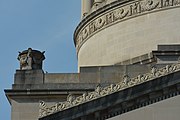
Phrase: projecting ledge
x=123 y=101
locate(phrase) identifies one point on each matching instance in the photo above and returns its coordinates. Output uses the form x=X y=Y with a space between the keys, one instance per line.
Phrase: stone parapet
x=29 y=77
x=93 y=75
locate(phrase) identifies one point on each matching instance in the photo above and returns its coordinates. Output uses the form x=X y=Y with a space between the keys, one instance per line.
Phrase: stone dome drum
x=117 y=30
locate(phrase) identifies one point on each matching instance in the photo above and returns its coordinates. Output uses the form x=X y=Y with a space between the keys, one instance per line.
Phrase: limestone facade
x=116 y=44
x=128 y=29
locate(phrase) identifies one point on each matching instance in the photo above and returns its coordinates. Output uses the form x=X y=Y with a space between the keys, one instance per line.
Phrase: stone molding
x=100 y=92
x=122 y=10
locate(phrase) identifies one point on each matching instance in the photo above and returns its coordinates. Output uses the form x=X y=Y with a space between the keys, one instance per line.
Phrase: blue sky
x=46 y=25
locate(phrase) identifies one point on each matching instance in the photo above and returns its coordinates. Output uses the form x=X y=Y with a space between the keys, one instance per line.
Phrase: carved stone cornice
x=100 y=92
x=117 y=12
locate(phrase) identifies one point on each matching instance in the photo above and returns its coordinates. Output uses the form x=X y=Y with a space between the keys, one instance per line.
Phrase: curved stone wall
x=124 y=30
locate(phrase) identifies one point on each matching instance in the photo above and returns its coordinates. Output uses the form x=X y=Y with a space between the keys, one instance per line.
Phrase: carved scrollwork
x=61 y=106
x=99 y=23
x=70 y=98
x=98 y=89
x=150 y=5
x=153 y=71
x=42 y=109
x=120 y=13
x=126 y=79
x=103 y=91
x=107 y=90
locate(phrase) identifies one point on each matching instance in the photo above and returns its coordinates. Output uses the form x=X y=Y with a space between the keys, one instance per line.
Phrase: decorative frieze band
x=125 y=11
x=127 y=82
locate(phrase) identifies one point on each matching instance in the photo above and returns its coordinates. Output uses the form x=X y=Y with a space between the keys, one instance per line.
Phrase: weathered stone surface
x=115 y=35
x=109 y=36
x=54 y=86
x=163 y=110
x=111 y=74
x=103 y=74
x=123 y=101
x=29 y=77
x=61 y=78
x=172 y=47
